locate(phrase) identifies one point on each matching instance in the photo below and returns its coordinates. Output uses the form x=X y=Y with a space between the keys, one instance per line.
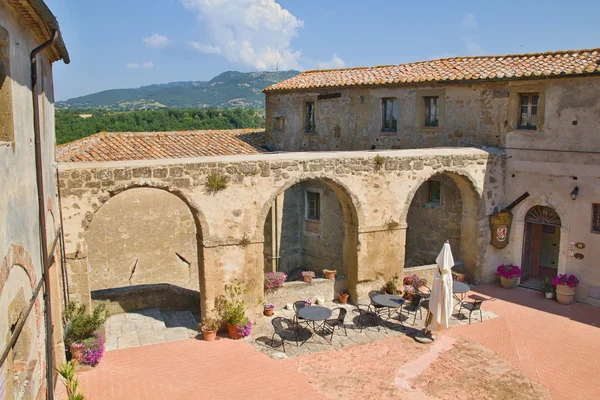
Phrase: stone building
x=542 y=110
x=30 y=41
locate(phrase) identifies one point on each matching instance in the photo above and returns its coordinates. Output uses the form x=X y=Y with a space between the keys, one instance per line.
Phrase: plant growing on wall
x=391 y=225
x=379 y=161
x=215 y=182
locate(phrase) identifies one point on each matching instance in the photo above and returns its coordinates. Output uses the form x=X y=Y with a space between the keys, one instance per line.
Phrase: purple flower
x=508 y=271
x=274 y=280
x=269 y=306
x=307 y=302
x=562 y=279
x=93 y=350
x=244 y=330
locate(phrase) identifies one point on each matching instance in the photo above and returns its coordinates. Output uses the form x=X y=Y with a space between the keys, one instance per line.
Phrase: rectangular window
x=528 y=108
x=595 y=218
x=309 y=116
x=435 y=192
x=279 y=124
x=389 y=115
x=313 y=206
x=432 y=111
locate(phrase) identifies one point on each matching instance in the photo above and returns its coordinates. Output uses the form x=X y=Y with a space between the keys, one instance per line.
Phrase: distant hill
x=230 y=89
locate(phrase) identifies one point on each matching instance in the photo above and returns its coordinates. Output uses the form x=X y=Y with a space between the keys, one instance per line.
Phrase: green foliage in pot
x=547 y=286
x=79 y=325
x=211 y=323
x=391 y=286
x=231 y=306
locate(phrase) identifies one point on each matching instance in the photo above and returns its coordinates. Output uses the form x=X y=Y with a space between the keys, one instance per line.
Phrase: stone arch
x=472 y=212
x=518 y=229
x=352 y=218
x=18 y=256
x=180 y=243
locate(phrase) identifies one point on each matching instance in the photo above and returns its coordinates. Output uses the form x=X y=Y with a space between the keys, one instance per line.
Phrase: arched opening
x=444 y=207
x=541 y=245
x=145 y=256
x=312 y=225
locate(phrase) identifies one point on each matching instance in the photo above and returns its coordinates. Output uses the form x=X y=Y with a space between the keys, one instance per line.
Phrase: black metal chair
x=472 y=306
x=279 y=330
x=376 y=308
x=298 y=319
x=336 y=322
x=414 y=306
x=365 y=316
x=426 y=294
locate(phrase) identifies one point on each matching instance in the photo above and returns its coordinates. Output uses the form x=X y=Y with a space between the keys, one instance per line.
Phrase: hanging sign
x=500 y=228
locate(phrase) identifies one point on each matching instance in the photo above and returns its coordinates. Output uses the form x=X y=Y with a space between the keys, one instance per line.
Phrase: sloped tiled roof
x=118 y=146
x=514 y=66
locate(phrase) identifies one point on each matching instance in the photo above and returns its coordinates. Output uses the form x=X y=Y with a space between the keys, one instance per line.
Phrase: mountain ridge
x=230 y=89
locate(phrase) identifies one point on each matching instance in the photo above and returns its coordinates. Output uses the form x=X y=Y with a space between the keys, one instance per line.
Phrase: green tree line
x=76 y=124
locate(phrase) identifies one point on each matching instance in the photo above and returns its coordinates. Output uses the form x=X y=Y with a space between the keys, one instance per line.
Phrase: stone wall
x=374 y=200
x=143 y=236
x=431 y=224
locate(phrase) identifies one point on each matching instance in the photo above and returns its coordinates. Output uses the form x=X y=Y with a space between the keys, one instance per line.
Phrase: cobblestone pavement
x=535 y=349
x=263 y=331
x=149 y=326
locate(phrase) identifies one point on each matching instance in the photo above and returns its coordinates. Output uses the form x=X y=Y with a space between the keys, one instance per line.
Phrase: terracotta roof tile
x=513 y=66
x=118 y=146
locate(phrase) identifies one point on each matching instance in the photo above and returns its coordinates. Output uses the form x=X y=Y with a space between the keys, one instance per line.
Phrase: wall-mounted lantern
x=575 y=193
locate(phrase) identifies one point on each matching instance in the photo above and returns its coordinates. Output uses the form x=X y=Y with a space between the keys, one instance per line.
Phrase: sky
x=130 y=43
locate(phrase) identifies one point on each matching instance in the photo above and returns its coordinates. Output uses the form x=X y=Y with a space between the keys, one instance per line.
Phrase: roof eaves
x=52 y=24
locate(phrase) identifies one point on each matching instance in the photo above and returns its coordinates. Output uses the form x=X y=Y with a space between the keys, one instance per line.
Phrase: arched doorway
x=444 y=207
x=312 y=225
x=541 y=245
x=145 y=258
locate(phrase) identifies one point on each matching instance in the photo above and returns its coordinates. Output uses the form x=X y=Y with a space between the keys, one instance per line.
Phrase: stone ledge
x=298 y=290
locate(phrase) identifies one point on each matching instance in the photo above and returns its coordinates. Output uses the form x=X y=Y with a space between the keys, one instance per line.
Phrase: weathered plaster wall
x=18 y=195
x=231 y=222
x=474 y=114
x=430 y=225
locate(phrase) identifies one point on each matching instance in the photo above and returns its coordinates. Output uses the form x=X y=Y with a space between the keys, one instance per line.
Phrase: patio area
x=517 y=355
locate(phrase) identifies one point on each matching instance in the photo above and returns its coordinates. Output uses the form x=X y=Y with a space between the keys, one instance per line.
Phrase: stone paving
x=149 y=326
x=263 y=330
x=535 y=349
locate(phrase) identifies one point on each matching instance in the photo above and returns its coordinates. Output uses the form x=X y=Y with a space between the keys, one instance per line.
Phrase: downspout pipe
x=39 y=174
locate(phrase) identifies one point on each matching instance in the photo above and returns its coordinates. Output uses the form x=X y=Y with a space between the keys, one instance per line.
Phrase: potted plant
x=547 y=288
x=85 y=344
x=391 y=286
x=209 y=326
x=308 y=302
x=329 y=273
x=343 y=296
x=509 y=275
x=274 y=281
x=308 y=276
x=565 y=288
x=268 y=309
x=415 y=281
x=232 y=309
x=409 y=290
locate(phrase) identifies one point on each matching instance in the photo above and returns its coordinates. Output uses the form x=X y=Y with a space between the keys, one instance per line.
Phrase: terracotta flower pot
x=329 y=274
x=343 y=298
x=268 y=312
x=565 y=294
x=76 y=353
x=233 y=331
x=509 y=283
x=307 y=279
x=209 y=335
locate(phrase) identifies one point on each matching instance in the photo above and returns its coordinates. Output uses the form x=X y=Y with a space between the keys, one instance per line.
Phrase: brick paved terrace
x=534 y=349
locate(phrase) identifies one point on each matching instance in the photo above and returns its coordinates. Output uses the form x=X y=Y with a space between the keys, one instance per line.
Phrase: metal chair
x=298 y=319
x=376 y=308
x=278 y=329
x=414 y=306
x=472 y=306
x=339 y=321
x=366 y=314
x=425 y=294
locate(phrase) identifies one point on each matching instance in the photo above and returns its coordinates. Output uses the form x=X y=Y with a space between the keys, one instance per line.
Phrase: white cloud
x=469 y=23
x=145 y=65
x=335 y=62
x=256 y=33
x=156 y=41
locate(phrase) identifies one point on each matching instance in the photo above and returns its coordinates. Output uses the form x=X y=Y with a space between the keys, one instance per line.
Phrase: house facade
x=543 y=110
x=31 y=344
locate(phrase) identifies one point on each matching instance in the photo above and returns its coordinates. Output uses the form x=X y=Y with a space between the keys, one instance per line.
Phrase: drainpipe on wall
x=42 y=213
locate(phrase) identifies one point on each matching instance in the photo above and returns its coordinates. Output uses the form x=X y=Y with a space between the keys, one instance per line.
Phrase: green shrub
x=215 y=182
x=231 y=306
x=67 y=371
x=379 y=161
x=79 y=325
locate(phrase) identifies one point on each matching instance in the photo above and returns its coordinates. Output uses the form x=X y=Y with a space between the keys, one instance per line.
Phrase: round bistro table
x=460 y=290
x=391 y=301
x=315 y=314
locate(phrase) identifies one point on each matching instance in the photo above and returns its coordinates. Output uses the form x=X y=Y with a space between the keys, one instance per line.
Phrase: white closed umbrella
x=440 y=300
